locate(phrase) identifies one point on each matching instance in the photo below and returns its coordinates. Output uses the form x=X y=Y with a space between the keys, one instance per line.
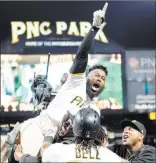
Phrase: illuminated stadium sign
x=36 y=29
x=152 y=115
x=140 y=76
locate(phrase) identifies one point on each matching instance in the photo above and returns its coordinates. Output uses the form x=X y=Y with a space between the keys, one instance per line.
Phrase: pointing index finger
x=105 y=8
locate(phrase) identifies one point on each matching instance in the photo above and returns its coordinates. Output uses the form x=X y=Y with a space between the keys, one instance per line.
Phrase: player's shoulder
x=111 y=156
x=55 y=146
x=109 y=152
x=52 y=153
x=60 y=146
x=73 y=81
x=53 y=149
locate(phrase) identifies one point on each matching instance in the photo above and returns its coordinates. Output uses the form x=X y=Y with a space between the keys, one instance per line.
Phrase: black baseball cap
x=134 y=124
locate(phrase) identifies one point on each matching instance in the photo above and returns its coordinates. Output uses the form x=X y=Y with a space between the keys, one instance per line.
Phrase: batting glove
x=99 y=15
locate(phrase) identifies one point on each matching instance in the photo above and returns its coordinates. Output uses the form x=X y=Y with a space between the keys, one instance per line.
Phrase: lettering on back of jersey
x=86 y=154
x=78 y=101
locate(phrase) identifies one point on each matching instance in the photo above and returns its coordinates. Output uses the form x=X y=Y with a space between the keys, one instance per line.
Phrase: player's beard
x=91 y=93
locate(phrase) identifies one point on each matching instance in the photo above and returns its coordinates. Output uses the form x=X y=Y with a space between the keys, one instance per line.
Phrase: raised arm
x=80 y=62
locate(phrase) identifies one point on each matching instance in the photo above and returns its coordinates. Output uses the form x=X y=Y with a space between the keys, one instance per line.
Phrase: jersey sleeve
x=80 y=62
x=73 y=81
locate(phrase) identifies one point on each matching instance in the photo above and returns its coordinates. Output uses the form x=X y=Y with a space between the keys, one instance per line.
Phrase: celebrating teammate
x=87 y=146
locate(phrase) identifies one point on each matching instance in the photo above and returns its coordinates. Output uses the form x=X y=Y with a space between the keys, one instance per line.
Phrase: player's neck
x=88 y=98
x=136 y=147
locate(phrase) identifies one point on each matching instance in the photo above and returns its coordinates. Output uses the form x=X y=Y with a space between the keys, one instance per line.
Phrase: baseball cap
x=134 y=124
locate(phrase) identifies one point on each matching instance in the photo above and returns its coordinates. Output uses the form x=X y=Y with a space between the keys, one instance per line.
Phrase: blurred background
x=126 y=46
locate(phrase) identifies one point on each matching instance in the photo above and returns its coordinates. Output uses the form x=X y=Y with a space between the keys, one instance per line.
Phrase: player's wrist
x=97 y=26
x=49 y=139
x=94 y=28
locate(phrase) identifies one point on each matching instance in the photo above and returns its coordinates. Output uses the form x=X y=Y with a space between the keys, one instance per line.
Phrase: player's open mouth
x=125 y=137
x=95 y=87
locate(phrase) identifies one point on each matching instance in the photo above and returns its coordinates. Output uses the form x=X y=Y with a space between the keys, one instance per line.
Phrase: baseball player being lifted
x=78 y=92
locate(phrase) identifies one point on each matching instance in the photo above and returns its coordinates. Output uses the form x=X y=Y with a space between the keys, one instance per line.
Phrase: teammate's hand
x=99 y=16
x=11 y=137
x=18 y=153
x=41 y=106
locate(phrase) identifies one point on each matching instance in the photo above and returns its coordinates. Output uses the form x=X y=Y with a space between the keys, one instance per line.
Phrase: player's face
x=95 y=82
x=130 y=136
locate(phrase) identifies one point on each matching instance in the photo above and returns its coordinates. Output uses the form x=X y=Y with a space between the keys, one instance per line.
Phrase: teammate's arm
x=81 y=60
x=27 y=158
x=8 y=145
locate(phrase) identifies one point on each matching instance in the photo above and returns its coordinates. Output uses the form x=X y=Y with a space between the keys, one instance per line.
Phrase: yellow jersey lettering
x=78 y=153
x=83 y=154
x=97 y=156
x=82 y=104
x=90 y=153
x=78 y=101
